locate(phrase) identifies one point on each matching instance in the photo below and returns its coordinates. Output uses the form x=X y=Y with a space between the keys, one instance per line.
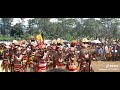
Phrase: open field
x=106 y=66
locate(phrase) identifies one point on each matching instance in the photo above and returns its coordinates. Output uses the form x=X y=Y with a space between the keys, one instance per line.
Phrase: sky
x=17 y=20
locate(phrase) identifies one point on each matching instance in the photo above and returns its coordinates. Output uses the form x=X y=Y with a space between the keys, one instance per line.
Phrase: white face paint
x=78 y=51
x=28 y=49
x=16 y=46
x=48 y=45
x=7 y=47
x=45 y=54
x=19 y=48
x=87 y=56
x=24 y=45
x=69 y=45
x=19 y=58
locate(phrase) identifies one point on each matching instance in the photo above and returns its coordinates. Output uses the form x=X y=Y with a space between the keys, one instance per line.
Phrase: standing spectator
x=100 y=53
x=118 y=52
x=106 y=52
x=110 y=53
x=114 y=52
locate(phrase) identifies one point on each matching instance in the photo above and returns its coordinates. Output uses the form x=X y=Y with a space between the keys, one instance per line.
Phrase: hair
x=57 y=70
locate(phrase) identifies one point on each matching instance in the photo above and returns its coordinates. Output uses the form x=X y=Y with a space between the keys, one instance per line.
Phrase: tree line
x=66 y=28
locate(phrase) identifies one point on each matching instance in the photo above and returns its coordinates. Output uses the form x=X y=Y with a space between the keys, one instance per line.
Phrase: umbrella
x=47 y=41
x=14 y=41
x=58 y=40
x=54 y=41
x=114 y=43
x=95 y=41
x=84 y=40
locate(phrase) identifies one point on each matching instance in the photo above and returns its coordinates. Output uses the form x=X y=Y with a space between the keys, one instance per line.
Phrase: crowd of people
x=75 y=56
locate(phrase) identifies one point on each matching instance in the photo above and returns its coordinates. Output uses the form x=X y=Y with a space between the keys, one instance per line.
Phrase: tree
x=73 y=28
x=110 y=27
x=17 y=30
x=32 y=26
x=91 y=28
x=6 y=25
x=79 y=28
x=115 y=28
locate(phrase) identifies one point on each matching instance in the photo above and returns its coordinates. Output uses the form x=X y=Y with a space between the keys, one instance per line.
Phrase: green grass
x=10 y=38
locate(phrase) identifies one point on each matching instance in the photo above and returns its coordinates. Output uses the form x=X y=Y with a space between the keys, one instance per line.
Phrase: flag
x=40 y=39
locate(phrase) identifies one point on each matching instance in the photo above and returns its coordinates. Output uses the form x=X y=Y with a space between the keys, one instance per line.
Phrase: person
x=100 y=53
x=119 y=51
x=72 y=65
x=106 y=49
x=1 y=52
x=114 y=52
x=33 y=42
x=5 y=63
x=110 y=53
x=17 y=58
x=23 y=43
x=42 y=65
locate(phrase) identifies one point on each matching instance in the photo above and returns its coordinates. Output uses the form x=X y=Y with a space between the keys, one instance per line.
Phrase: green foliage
x=66 y=28
x=6 y=38
x=17 y=30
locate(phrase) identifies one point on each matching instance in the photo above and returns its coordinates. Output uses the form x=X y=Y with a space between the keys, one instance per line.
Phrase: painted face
x=7 y=54
x=54 y=47
x=16 y=47
x=60 y=60
x=18 y=53
x=28 y=49
x=86 y=55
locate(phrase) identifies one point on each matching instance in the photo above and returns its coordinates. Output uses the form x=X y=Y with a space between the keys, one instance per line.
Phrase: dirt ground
x=100 y=66
x=106 y=66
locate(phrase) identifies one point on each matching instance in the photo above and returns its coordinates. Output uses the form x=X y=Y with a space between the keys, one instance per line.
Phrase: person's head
x=57 y=70
x=32 y=38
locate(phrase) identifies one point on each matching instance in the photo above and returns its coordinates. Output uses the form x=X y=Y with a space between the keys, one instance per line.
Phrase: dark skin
x=17 y=54
x=86 y=65
x=53 y=55
x=5 y=63
x=1 y=56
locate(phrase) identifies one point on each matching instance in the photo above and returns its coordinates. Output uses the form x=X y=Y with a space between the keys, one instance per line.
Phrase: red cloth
x=39 y=70
x=17 y=66
x=55 y=48
x=72 y=69
x=59 y=64
x=41 y=44
x=25 y=58
x=22 y=71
